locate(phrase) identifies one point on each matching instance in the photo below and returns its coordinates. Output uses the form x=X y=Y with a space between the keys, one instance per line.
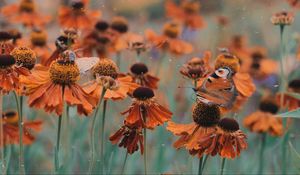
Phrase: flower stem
x=222 y=166
x=92 y=137
x=3 y=167
x=145 y=140
x=200 y=166
x=102 y=136
x=57 y=144
x=204 y=162
x=118 y=62
x=195 y=83
x=124 y=163
x=20 y=125
x=261 y=153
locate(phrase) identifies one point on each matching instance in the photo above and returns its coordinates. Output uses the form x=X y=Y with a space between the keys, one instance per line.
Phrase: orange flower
x=187 y=13
x=9 y=73
x=5 y=46
x=228 y=141
x=289 y=101
x=141 y=76
x=205 y=117
x=64 y=42
x=49 y=88
x=131 y=138
x=11 y=130
x=116 y=86
x=145 y=110
x=97 y=40
x=264 y=120
x=24 y=56
x=294 y=3
x=16 y=35
x=77 y=16
x=25 y=13
x=282 y=18
x=197 y=68
x=169 y=40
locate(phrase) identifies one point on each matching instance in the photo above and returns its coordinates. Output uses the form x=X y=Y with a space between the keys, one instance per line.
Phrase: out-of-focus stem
x=118 y=59
x=57 y=145
x=222 y=166
x=200 y=166
x=20 y=125
x=3 y=167
x=204 y=162
x=261 y=153
x=94 y=122
x=124 y=163
x=102 y=136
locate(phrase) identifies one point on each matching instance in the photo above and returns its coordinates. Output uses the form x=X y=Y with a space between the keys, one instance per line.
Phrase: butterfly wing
x=86 y=63
x=217 y=91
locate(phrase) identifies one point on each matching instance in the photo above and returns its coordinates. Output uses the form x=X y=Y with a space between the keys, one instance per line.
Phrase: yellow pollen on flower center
x=64 y=72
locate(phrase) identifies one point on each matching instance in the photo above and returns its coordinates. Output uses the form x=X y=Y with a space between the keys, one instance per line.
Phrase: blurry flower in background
x=140 y=75
x=206 y=118
x=228 y=141
x=11 y=129
x=38 y=43
x=169 y=41
x=290 y=99
x=222 y=21
x=50 y=88
x=25 y=13
x=294 y=3
x=77 y=15
x=197 y=68
x=16 y=35
x=187 y=13
x=117 y=87
x=145 y=111
x=282 y=18
x=9 y=73
x=131 y=137
x=5 y=42
x=97 y=40
x=264 y=120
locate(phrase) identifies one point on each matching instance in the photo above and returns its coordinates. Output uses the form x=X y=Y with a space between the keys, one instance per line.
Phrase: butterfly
x=218 y=89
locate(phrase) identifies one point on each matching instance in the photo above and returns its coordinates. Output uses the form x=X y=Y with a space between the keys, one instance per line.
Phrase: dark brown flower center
x=38 y=38
x=27 y=6
x=102 y=39
x=6 y=61
x=229 y=124
x=295 y=85
x=9 y=114
x=139 y=68
x=143 y=93
x=120 y=26
x=15 y=34
x=101 y=26
x=77 y=5
x=257 y=56
x=268 y=106
x=4 y=36
x=24 y=56
x=206 y=115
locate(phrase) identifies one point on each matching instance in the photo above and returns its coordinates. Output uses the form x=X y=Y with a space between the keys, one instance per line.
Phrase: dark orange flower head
x=264 y=120
x=294 y=3
x=145 y=110
x=130 y=137
x=171 y=30
x=11 y=129
x=282 y=18
x=77 y=15
x=9 y=73
x=24 y=56
x=15 y=34
x=197 y=68
x=49 y=88
x=140 y=75
x=107 y=78
x=222 y=20
x=228 y=141
x=289 y=101
x=191 y=7
x=228 y=60
x=38 y=38
x=206 y=118
x=5 y=46
x=119 y=24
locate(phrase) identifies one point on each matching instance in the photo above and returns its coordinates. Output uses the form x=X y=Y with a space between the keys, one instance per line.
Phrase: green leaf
x=293 y=114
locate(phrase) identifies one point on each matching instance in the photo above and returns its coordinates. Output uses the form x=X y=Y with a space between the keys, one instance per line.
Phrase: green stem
x=204 y=162
x=3 y=167
x=92 y=136
x=58 y=144
x=222 y=166
x=20 y=125
x=124 y=163
x=195 y=83
x=118 y=62
x=102 y=136
x=282 y=79
x=261 y=153
x=200 y=166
